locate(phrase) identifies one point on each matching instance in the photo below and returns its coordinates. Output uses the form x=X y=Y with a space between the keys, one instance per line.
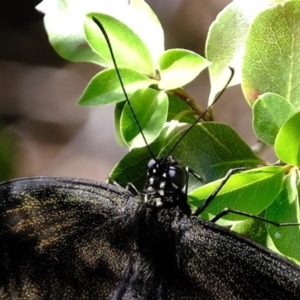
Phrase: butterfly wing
x=182 y=257
x=218 y=264
x=62 y=238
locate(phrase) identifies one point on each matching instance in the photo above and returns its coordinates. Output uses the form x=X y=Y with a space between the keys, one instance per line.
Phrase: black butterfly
x=64 y=238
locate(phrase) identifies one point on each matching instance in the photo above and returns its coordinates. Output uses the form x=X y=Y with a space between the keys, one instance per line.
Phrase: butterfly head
x=166 y=181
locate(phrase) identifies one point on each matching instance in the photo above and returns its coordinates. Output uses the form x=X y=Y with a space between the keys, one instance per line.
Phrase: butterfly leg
x=209 y=199
x=227 y=210
x=129 y=186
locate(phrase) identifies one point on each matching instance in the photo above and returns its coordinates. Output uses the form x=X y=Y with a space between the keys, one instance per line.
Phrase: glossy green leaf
x=285 y=209
x=253 y=229
x=270 y=112
x=226 y=40
x=147 y=25
x=128 y=48
x=105 y=88
x=251 y=191
x=287 y=143
x=271 y=61
x=134 y=164
x=179 y=67
x=151 y=109
x=211 y=149
x=117 y=114
x=64 y=25
x=180 y=110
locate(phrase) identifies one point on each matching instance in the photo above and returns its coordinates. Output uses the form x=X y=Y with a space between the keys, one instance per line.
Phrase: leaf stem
x=183 y=95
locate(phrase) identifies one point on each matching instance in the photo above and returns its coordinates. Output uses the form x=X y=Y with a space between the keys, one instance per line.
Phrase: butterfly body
x=66 y=238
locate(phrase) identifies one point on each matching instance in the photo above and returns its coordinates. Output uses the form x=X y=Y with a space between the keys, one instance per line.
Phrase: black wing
x=218 y=264
x=183 y=257
x=62 y=238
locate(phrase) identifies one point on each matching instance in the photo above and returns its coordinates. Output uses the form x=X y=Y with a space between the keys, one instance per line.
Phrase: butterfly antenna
x=122 y=84
x=201 y=116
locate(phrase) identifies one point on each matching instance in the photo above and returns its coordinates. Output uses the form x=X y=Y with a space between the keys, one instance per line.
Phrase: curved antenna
x=121 y=83
x=207 y=109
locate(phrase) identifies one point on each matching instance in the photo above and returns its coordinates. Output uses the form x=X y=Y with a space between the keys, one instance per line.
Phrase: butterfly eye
x=178 y=176
x=151 y=164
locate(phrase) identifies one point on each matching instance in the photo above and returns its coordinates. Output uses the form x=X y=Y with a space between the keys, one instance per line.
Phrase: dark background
x=44 y=132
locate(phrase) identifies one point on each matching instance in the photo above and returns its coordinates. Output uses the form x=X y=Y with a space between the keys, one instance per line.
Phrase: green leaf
x=64 y=25
x=226 y=40
x=128 y=48
x=253 y=229
x=133 y=166
x=105 y=88
x=270 y=112
x=287 y=143
x=285 y=209
x=180 y=110
x=271 y=61
x=179 y=67
x=147 y=25
x=151 y=110
x=211 y=149
x=251 y=191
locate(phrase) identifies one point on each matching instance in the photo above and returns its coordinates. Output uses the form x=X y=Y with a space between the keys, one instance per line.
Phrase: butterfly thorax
x=166 y=184
x=163 y=205
x=159 y=223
